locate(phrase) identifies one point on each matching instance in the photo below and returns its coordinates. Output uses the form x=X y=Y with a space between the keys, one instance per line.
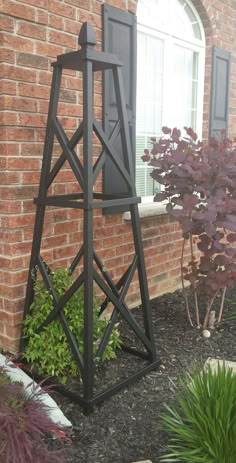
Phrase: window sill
x=148 y=210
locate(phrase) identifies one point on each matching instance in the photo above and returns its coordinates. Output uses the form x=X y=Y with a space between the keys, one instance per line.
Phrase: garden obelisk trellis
x=88 y=60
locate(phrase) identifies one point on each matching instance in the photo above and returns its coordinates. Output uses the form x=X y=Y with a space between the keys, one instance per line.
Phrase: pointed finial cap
x=87 y=35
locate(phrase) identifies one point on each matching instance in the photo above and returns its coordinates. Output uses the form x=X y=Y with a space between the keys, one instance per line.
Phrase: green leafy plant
x=202 y=427
x=199 y=186
x=48 y=351
x=25 y=428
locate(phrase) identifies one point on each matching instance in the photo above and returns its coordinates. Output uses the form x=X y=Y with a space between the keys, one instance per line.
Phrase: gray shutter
x=119 y=37
x=219 y=91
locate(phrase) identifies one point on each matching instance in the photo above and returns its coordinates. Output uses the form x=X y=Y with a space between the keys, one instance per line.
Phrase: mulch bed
x=127 y=427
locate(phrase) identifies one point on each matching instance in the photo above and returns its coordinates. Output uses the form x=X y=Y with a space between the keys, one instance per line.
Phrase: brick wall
x=32 y=34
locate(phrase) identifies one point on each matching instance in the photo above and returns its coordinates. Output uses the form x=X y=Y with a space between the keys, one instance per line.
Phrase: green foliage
x=203 y=425
x=48 y=351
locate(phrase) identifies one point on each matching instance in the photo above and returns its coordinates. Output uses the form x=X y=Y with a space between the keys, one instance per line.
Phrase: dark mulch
x=127 y=427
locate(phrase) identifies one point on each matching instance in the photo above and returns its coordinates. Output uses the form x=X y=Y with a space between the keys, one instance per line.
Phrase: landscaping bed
x=127 y=427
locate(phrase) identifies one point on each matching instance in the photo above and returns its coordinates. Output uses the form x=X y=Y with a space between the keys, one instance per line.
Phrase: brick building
x=33 y=33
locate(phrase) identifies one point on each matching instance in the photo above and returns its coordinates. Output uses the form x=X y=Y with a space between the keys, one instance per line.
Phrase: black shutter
x=219 y=91
x=119 y=37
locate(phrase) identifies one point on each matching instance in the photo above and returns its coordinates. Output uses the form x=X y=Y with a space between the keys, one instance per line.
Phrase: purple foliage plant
x=25 y=428
x=200 y=189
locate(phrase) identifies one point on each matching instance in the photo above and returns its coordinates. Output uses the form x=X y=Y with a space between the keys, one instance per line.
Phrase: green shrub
x=202 y=427
x=48 y=351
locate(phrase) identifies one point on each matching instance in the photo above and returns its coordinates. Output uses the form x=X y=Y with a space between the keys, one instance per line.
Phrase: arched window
x=170 y=75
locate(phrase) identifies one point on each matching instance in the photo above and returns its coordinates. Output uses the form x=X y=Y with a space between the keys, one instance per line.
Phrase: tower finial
x=87 y=35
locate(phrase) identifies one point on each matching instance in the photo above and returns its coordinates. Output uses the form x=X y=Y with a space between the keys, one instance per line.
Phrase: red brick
x=61 y=9
x=16 y=134
x=8 y=118
x=32 y=120
x=7 y=207
x=31 y=178
x=86 y=16
x=76 y=237
x=31 y=30
x=33 y=91
x=66 y=227
x=7 y=88
x=16 y=42
x=16 y=192
x=7 y=56
x=9 y=344
x=42 y=16
x=16 y=278
x=62 y=39
x=80 y=3
x=18 y=11
x=56 y=22
x=32 y=60
x=14 y=291
x=54 y=241
x=7 y=23
x=17 y=221
x=13 y=331
x=28 y=206
x=48 y=49
x=13 y=305
x=22 y=164
x=38 y=3
x=72 y=26
x=10 y=236
x=16 y=249
x=20 y=104
x=65 y=251
x=105 y=253
x=29 y=149
x=7 y=178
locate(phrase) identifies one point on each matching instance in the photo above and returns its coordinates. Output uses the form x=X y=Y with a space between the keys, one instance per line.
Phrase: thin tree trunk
x=221 y=305
x=183 y=287
x=209 y=306
x=194 y=286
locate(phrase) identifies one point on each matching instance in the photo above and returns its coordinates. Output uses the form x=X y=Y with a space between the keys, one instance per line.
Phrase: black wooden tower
x=88 y=60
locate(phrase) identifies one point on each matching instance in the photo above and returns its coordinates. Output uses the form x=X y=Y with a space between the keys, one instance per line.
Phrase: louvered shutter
x=219 y=92
x=119 y=37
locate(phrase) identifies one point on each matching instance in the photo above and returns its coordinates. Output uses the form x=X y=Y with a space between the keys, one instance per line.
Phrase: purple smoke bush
x=199 y=185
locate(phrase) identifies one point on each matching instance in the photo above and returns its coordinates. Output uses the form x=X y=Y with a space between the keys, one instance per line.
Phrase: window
x=170 y=75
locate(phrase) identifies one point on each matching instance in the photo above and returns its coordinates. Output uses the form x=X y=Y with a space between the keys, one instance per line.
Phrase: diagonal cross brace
x=124 y=311
x=112 y=152
x=102 y=158
x=61 y=316
x=129 y=276
x=62 y=159
x=70 y=154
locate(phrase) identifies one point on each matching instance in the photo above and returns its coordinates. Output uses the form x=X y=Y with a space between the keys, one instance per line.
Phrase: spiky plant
x=202 y=427
x=25 y=427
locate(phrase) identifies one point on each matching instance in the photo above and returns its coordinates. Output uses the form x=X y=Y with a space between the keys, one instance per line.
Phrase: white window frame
x=194 y=45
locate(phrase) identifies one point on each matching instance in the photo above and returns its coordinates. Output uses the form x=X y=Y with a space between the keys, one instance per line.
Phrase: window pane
x=149 y=83
x=144 y=182
x=149 y=104
x=167 y=75
x=182 y=89
x=171 y=16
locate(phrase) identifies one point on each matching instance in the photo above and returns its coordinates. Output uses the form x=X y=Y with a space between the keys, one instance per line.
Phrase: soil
x=127 y=427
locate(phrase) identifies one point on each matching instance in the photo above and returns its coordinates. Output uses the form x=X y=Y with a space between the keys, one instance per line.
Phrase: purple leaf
x=160 y=197
x=210 y=229
x=231 y=237
x=187 y=224
x=166 y=130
